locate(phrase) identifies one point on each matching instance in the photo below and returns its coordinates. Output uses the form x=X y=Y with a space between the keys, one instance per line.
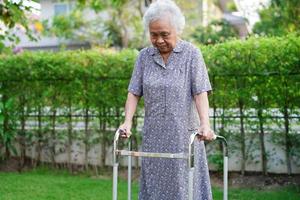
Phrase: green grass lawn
x=43 y=184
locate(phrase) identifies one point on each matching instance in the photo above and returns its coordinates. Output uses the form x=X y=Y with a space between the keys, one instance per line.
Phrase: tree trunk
x=241 y=104
x=87 y=136
x=102 y=127
x=5 y=123
x=124 y=31
x=243 y=145
x=22 y=132
x=262 y=143
x=70 y=130
x=39 y=146
x=53 y=134
x=86 y=126
x=287 y=141
x=222 y=129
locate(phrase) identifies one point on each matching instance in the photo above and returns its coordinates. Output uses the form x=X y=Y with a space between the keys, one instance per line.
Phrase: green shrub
x=258 y=73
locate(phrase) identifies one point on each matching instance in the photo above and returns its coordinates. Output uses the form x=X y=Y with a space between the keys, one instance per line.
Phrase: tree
x=123 y=28
x=13 y=14
x=280 y=18
x=216 y=32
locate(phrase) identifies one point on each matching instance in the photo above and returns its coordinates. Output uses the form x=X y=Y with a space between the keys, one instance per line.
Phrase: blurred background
x=118 y=23
x=65 y=67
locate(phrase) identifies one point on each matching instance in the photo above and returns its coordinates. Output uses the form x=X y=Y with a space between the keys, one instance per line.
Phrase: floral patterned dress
x=170 y=114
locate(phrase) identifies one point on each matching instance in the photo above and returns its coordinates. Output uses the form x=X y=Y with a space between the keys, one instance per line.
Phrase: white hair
x=161 y=9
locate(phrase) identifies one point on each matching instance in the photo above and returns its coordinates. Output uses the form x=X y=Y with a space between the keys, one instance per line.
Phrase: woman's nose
x=160 y=40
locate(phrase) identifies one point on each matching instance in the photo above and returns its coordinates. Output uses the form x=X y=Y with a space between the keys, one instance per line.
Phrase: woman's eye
x=165 y=34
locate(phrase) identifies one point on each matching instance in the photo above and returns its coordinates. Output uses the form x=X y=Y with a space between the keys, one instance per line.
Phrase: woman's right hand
x=125 y=130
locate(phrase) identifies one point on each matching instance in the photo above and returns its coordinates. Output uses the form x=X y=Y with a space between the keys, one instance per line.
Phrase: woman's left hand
x=206 y=133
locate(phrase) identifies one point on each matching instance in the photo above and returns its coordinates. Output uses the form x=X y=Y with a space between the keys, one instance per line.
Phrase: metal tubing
x=191 y=166
x=115 y=166
x=189 y=157
x=191 y=150
x=115 y=181
x=115 y=147
x=129 y=171
x=225 y=167
x=152 y=155
x=225 y=178
x=191 y=184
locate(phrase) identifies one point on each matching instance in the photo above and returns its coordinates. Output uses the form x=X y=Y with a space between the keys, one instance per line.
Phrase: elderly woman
x=172 y=77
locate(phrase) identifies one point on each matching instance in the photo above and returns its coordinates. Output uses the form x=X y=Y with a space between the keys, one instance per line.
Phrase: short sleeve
x=199 y=76
x=136 y=82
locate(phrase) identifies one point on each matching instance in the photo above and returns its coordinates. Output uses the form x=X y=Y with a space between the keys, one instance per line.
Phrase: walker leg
x=129 y=174
x=115 y=181
x=225 y=192
x=191 y=183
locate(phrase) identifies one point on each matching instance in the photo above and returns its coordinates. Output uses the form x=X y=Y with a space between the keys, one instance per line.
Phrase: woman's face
x=162 y=35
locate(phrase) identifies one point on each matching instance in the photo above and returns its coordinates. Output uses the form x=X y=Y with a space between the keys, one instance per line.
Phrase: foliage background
x=255 y=99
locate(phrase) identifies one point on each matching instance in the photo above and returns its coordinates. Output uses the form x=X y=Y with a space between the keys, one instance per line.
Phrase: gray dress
x=170 y=113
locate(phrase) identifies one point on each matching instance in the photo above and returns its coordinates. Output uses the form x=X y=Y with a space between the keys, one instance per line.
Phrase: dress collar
x=179 y=46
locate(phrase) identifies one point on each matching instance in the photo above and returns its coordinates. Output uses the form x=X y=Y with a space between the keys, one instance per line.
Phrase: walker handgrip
x=219 y=137
x=215 y=137
x=116 y=140
x=224 y=141
x=118 y=135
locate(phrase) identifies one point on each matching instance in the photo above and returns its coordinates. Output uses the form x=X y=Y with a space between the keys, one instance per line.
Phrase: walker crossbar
x=152 y=155
x=189 y=157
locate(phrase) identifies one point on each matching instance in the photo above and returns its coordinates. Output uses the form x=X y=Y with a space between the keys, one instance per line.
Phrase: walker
x=187 y=156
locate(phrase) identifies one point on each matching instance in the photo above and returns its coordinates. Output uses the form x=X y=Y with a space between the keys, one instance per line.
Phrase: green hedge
x=94 y=75
x=265 y=57
x=268 y=68
x=66 y=65
x=259 y=73
x=255 y=56
x=252 y=56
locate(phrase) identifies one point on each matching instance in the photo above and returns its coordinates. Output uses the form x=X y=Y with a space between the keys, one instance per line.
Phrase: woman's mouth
x=162 y=47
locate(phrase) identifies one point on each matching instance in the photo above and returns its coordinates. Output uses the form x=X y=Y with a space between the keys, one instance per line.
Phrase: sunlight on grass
x=55 y=185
